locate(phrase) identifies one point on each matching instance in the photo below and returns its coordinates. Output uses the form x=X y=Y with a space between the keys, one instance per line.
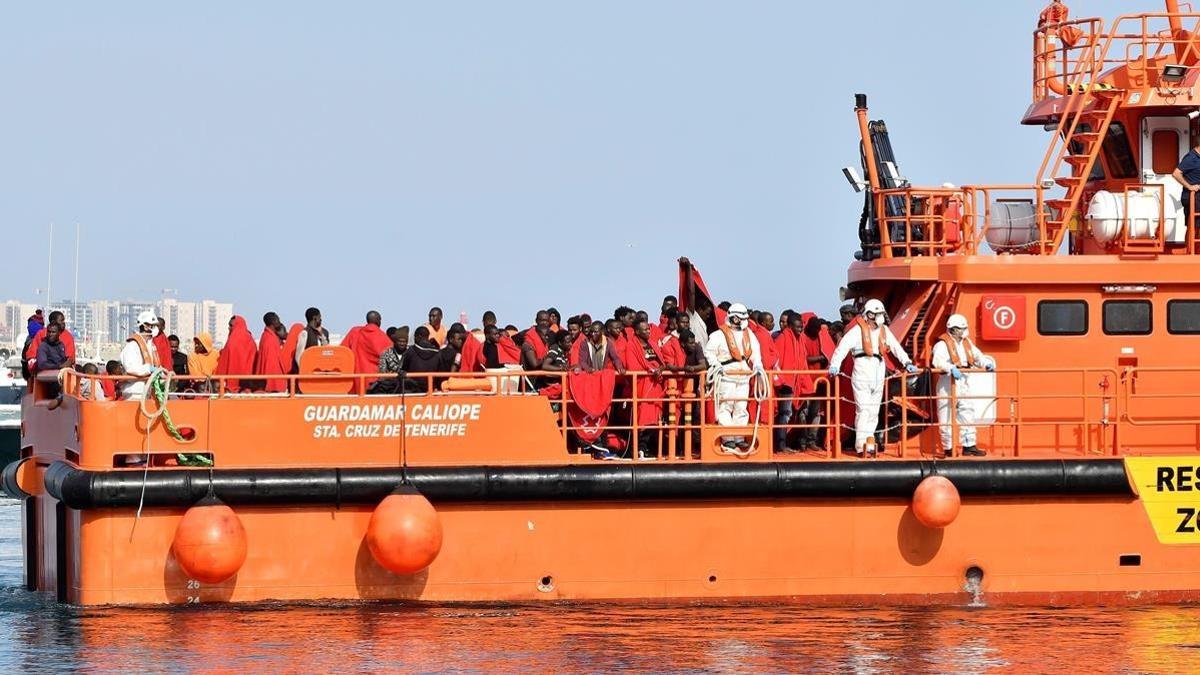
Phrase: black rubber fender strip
x=609 y=481
x=8 y=479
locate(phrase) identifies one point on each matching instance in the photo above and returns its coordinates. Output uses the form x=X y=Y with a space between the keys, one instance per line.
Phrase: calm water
x=37 y=635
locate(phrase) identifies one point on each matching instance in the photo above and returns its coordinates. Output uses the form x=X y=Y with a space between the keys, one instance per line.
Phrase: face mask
x=879 y=320
x=155 y=331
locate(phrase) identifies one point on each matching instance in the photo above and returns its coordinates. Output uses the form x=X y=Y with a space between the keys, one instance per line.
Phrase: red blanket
x=238 y=354
x=534 y=339
x=287 y=356
x=591 y=397
x=368 y=342
x=269 y=359
x=650 y=389
x=471 y=358
x=510 y=353
x=792 y=357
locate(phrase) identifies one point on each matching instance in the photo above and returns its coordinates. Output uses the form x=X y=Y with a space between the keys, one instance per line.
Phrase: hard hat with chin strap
x=147 y=316
x=874 y=307
x=956 y=321
x=739 y=310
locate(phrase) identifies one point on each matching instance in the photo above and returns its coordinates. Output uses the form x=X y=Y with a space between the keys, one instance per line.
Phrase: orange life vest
x=968 y=347
x=868 y=348
x=149 y=355
x=738 y=354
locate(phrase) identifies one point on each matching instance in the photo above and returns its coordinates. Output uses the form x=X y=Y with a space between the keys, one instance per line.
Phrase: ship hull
x=1043 y=550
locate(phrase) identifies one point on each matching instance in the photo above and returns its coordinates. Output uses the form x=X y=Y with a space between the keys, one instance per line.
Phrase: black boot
x=972 y=451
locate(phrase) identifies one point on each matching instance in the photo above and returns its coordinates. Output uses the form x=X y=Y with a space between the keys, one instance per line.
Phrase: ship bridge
x=1120 y=102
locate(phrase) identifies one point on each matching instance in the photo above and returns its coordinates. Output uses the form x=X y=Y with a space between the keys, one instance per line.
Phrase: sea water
x=39 y=635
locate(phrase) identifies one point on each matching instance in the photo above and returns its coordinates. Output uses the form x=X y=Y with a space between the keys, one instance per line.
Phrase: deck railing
x=1034 y=411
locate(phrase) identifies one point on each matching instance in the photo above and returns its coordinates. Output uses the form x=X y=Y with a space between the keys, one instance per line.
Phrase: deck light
x=1174 y=73
x=854 y=179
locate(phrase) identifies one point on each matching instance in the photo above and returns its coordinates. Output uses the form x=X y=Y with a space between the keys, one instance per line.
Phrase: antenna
x=75 y=301
x=49 y=268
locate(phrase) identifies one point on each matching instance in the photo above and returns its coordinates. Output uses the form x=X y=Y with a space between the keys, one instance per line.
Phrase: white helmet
x=874 y=306
x=147 y=316
x=739 y=310
x=956 y=321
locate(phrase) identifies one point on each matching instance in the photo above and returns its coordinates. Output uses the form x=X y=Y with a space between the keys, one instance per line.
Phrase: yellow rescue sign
x=1169 y=488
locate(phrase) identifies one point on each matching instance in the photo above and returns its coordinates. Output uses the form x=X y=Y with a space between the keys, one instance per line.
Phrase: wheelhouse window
x=1062 y=317
x=1183 y=317
x=1128 y=317
x=1117 y=153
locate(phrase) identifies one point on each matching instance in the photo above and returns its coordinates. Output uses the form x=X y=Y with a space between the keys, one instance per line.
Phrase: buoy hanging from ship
x=210 y=541
x=405 y=533
x=935 y=502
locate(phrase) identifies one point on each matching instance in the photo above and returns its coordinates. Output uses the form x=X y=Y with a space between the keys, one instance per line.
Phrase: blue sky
x=484 y=155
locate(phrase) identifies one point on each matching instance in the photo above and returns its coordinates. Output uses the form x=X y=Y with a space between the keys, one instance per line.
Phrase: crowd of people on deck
x=745 y=359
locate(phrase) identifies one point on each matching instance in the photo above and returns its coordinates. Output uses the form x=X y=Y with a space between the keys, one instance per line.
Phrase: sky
x=485 y=155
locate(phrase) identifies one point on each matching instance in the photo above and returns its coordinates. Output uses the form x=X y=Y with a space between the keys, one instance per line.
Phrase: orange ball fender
x=935 y=502
x=210 y=541
x=405 y=533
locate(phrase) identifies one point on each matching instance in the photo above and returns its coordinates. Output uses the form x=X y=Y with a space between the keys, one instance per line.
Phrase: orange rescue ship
x=1084 y=285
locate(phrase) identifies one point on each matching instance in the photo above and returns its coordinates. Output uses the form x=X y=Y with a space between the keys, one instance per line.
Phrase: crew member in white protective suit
x=951 y=354
x=869 y=341
x=139 y=356
x=733 y=357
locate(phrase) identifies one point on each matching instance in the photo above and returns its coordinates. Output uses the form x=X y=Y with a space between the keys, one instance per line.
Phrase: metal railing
x=1037 y=411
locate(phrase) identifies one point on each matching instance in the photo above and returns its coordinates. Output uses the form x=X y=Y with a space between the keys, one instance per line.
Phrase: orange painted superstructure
x=1095 y=332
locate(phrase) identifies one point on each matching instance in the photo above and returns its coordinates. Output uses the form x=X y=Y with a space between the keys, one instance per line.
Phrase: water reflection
x=36 y=635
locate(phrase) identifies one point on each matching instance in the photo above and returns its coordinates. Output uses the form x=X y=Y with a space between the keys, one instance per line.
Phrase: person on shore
x=437 y=330
x=951 y=354
x=869 y=341
x=270 y=353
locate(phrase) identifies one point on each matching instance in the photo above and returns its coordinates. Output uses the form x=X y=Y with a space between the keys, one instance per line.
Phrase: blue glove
x=834 y=371
x=990 y=367
x=910 y=368
x=154 y=370
x=956 y=373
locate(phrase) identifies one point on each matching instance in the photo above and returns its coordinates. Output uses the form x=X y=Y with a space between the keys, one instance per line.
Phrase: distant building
x=103 y=325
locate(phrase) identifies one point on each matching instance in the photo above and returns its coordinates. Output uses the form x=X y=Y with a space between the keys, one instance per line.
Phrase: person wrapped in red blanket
x=643 y=356
x=269 y=360
x=238 y=354
x=368 y=342
x=595 y=365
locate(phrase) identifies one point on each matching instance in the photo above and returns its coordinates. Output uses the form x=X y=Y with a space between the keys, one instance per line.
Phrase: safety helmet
x=956 y=321
x=147 y=316
x=739 y=310
x=874 y=306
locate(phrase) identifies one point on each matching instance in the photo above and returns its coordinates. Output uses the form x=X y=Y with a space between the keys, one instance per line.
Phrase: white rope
x=760 y=392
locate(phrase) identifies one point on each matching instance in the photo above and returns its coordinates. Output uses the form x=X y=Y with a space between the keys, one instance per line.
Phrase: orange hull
x=1044 y=551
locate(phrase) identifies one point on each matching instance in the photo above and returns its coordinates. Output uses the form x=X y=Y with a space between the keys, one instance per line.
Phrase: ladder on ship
x=1082 y=127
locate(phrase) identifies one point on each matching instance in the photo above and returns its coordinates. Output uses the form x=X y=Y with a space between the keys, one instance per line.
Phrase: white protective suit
x=968 y=353
x=735 y=377
x=135 y=363
x=868 y=375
